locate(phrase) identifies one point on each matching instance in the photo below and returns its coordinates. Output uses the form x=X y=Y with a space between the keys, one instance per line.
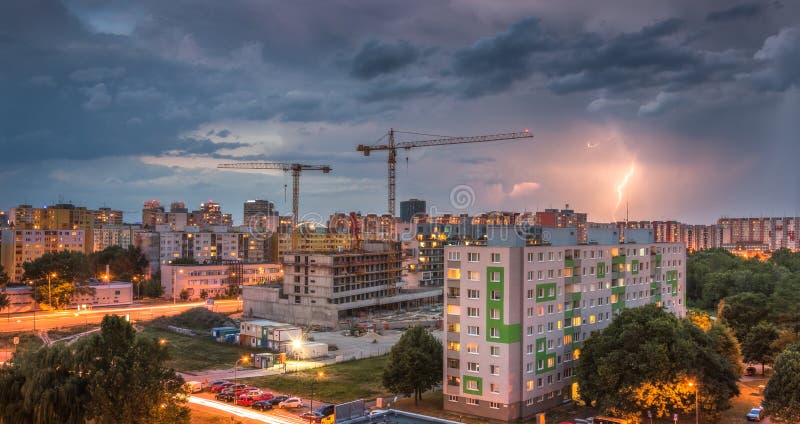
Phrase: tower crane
x=392 y=147
x=294 y=168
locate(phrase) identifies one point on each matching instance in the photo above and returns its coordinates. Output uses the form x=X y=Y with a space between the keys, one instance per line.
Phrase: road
x=275 y=416
x=46 y=320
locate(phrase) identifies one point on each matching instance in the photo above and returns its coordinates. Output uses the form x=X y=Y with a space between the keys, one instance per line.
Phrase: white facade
x=214 y=279
x=516 y=317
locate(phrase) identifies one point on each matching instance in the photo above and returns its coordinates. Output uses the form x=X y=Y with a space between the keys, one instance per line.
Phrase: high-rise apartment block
x=257 y=213
x=516 y=315
x=410 y=208
x=26 y=245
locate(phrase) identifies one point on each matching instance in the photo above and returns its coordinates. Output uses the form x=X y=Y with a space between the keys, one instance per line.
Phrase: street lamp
x=49 y=295
x=311 y=401
x=696 y=409
x=244 y=360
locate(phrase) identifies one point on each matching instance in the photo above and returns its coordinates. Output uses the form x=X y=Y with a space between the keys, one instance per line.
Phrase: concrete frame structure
x=516 y=316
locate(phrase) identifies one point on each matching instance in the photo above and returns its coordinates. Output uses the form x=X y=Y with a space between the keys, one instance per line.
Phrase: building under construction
x=333 y=288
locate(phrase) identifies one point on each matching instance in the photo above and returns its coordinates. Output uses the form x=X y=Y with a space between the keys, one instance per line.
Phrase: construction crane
x=392 y=147
x=294 y=168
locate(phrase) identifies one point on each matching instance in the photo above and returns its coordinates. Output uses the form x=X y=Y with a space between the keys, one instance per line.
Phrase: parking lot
x=275 y=415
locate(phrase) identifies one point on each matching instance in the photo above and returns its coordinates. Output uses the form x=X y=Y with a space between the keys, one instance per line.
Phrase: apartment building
x=108 y=235
x=517 y=315
x=215 y=279
x=26 y=245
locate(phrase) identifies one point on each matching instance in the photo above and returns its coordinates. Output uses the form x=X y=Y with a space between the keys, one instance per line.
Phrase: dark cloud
x=97 y=74
x=780 y=59
x=492 y=64
x=377 y=58
x=745 y=10
x=396 y=89
x=223 y=133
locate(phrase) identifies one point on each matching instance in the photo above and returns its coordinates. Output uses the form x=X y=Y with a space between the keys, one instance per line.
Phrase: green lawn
x=194 y=353
x=342 y=382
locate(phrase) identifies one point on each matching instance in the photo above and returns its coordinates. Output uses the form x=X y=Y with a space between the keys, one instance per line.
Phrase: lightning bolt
x=621 y=186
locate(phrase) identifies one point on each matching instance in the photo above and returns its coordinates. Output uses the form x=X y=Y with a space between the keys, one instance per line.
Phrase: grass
x=197 y=353
x=200 y=319
x=60 y=333
x=342 y=382
x=27 y=340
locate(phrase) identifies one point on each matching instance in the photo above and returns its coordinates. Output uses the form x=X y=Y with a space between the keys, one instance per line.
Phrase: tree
x=725 y=343
x=699 y=318
x=184 y=295
x=203 y=294
x=741 y=311
x=3 y=277
x=129 y=382
x=415 y=364
x=782 y=395
x=68 y=266
x=124 y=264
x=643 y=361
x=757 y=346
x=5 y=302
x=114 y=376
x=152 y=288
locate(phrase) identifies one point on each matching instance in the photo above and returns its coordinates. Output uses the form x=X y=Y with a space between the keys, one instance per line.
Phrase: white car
x=292 y=402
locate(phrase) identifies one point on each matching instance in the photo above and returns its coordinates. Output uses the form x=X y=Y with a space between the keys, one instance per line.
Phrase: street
x=46 y=320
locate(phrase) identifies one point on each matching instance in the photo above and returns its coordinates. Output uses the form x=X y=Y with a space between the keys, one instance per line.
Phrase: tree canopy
x=114 y=376
x=415 y=363
x=782 y=395
x=645 y=359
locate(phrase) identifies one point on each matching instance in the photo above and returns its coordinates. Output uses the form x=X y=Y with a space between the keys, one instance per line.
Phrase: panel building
x=517 y=314
x=26 y=245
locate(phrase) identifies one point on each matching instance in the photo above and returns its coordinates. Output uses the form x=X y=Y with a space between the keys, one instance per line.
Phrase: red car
x=248 y=400
x=243 y=390
x=218 y=387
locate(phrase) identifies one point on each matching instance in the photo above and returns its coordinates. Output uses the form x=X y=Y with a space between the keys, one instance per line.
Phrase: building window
x=529 y=385
x=495 y=277
x=473 y=330
x=494 y=350
x=494 y=388
x=494 y=313
x=454 y=256
x=473 y=257
x=452 y=398
x=530 y=256
x=495 y=295
x=473 y=275
x=530 y=275
x=473 y=312
x=473 y=402
x=454 y=346
x=494 y=405
x=472 y=348
x=494 y=333
x=530 y=294
x=473 y=294
x=494 y=369
x=473 y=367
x=454 y=273
x=495 y=258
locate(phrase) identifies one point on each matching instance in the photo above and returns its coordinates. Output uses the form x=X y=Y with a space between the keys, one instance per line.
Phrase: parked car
x=226 y=396
x=247 y=400
x=278 y=399
x=755 y=414
x=215 y=382
x=750 y=370
x=326 y=410
x=194 y=386
x=219 y=387
x=312 y=417
x=262 y=405
x=292 y=402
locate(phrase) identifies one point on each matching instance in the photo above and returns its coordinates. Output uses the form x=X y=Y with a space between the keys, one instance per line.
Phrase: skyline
x=116 y=104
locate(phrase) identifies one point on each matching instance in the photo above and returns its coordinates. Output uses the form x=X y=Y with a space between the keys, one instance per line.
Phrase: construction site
x=348 y=275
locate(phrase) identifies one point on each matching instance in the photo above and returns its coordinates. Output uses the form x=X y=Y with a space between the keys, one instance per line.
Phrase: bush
x=197 y=319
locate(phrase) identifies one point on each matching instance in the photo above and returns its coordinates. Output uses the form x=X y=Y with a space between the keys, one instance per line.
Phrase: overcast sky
x=104 y=103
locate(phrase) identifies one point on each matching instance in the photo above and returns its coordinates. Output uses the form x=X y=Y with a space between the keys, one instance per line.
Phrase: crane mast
x=392 y=147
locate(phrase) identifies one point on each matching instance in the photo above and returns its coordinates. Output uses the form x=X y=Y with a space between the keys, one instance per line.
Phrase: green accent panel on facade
x=568 y=331
x=541 y=344
x=465 y=378
x=672 y=280
x=569 y=263
x=620 y=292
x=601 y=270
x=658 y=260
x=509 y=333
x=576 y=296
x=617 y=259
x=568 y=314
x=545 y=287
x=634 y=267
